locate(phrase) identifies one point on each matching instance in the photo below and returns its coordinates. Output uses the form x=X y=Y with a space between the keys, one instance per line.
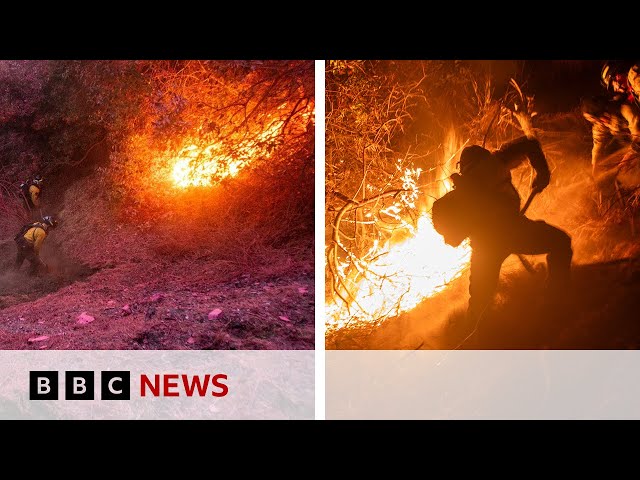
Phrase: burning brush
x=394 y=273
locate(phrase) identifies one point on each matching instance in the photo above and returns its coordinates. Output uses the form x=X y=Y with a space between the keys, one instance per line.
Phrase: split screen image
x=171 y=205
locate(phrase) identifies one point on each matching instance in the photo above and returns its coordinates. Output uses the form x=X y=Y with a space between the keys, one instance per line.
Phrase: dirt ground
x=113 y=286
x=155 y=306
x=599 y=313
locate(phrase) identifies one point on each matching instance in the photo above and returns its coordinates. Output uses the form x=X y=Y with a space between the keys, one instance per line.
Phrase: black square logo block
x=78 y=385
x=115 y=385
x=43 y=385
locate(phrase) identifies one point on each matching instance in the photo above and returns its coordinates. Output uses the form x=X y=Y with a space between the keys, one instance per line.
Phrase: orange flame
x=202 y=166
x=195 y=167
x=411 y=271
x=401 y=275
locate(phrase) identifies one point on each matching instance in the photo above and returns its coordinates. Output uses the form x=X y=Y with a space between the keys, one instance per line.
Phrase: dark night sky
x=557 y=85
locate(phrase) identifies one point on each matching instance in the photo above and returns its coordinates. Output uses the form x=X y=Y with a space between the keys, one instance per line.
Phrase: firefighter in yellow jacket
x=29 y=242
x=31 y=193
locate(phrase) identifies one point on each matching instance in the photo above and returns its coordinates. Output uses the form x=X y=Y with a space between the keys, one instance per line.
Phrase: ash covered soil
x=117 y=287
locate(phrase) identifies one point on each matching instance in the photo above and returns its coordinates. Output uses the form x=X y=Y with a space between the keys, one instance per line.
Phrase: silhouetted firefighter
x=485 y=206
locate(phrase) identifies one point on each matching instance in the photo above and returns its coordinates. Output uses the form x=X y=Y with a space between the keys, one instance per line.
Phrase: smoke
x=598 y=223
x=601 y=235
x=18 y=286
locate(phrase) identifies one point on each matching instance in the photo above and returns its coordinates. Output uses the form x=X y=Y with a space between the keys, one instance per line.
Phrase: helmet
x=49 y=220
x=471 y=156
x=614 y=70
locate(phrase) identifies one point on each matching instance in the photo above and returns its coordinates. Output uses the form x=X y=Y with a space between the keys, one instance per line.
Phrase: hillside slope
x=600 y=311
x=120 y=285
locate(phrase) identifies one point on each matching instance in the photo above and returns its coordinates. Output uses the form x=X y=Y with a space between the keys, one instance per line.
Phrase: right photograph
x=482 y=204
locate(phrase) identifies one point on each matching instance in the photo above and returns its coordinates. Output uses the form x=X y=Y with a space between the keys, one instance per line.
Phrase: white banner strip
x=320 y=235
x=483 y=384
x=170 y=384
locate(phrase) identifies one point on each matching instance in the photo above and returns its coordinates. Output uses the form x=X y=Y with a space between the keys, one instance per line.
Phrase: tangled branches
x=393 y=131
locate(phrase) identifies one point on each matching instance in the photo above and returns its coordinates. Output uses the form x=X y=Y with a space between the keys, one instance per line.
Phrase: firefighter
x=31 y=193
x=29 y=243
x=485 y=206
x=609 y=131
x=620 y=78
x=633 y=81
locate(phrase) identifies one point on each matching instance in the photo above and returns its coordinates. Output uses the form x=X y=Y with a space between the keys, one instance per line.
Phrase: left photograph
x=157 y=205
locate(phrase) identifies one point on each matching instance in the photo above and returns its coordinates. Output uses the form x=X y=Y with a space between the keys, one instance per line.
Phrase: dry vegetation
x=159 y=247
x=435 y=108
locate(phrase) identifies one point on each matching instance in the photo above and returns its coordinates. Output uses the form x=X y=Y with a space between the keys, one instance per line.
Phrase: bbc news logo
x=116 y=385
x=80 y=385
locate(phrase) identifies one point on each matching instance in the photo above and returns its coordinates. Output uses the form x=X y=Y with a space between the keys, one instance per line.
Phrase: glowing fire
x=202 y=166
x=195 y=167
x=393 y=278
x=412 y=270
x=198 y=166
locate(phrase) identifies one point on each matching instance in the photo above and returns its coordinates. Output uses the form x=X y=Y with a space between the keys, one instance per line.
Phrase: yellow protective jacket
x=34 y=194
x=35 y=236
